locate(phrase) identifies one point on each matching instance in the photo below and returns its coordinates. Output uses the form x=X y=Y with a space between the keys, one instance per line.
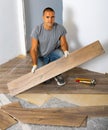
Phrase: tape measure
x=86 y=81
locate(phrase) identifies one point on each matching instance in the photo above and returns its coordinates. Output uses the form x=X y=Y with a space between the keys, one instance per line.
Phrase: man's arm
x=34 y=50
x=64 y=46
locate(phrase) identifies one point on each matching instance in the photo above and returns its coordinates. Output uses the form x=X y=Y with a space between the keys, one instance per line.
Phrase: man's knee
x=59 y=52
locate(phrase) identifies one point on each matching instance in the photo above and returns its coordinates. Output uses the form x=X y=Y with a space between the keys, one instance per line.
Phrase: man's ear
x=43 y=17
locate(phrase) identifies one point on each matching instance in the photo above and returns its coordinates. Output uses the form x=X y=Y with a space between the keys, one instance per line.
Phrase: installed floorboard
x=72 y=87
x=12 y=70
x=54 y=68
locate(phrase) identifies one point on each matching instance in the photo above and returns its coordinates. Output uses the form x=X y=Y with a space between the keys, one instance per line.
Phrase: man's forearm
x=64 y=47
x=34 y=57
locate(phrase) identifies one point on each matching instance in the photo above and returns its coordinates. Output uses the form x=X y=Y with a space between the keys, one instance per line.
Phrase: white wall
x=12 y=40
x=87 y=21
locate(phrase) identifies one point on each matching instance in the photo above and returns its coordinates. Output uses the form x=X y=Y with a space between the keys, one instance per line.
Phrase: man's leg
x=40 y=63
x=56 y=54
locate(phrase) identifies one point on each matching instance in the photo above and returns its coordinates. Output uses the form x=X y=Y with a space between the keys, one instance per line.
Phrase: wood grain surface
x=54 y=68
x=5 y=120
x=68 y=116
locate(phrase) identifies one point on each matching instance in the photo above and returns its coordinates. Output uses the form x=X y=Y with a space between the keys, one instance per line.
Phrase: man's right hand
x=34 y=68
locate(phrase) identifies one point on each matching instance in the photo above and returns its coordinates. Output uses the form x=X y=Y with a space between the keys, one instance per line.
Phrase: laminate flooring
x=22 y=65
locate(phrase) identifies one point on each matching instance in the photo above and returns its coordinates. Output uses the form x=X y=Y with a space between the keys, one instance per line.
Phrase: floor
x=20 y=66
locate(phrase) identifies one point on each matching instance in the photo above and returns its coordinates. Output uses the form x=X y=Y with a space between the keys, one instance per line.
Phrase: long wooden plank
x=90 y=111
x=69 y=116
x=45 y=117
x=57 y=67
x=48 y=117
x=72 y=87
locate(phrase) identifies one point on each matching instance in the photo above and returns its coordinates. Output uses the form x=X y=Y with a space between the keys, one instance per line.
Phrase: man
x=48 y=42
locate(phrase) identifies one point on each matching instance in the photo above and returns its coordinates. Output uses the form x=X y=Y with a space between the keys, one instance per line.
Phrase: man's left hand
x=66 y=53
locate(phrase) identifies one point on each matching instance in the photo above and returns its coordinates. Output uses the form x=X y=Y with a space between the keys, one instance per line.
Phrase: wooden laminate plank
x=69 y=116
x=38 y=99
x=90 y=111
x=54 y=68
x=5 y=120
x=45 y=117
x=3 y=89
x=11 y=106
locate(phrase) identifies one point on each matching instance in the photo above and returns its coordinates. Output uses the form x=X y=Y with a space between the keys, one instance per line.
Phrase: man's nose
x=50 y=19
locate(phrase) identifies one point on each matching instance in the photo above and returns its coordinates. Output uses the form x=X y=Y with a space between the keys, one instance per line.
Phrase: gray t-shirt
x=48 y=40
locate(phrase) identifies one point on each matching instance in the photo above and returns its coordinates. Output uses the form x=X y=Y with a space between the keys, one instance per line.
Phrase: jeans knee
x=58 y=52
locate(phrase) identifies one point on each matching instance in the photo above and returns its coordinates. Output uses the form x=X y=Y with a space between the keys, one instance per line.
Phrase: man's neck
x=47 y=27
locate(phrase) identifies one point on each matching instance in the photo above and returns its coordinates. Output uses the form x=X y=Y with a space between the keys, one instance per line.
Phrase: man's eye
x=47 y=16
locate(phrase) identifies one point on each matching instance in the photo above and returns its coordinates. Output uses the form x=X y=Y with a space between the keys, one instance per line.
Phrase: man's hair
x=48 y=9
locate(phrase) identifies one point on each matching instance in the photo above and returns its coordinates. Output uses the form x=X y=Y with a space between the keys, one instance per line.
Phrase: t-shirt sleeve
x=63 y=31
x=35 y=32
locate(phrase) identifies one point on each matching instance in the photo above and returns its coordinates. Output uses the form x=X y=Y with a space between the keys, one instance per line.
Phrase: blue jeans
x=56 y=54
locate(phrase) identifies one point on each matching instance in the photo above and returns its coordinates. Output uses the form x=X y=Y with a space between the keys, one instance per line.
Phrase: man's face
x=49 y=18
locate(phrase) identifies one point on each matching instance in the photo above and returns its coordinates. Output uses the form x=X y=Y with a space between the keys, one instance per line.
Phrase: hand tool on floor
x=86 y=81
